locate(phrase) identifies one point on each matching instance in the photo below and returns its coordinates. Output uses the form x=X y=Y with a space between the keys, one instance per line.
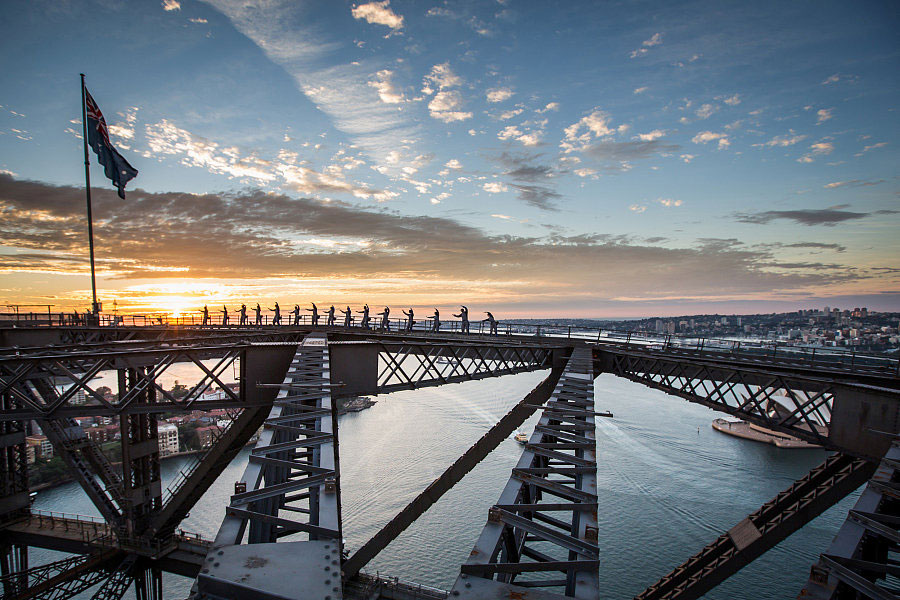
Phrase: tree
x=178 y=390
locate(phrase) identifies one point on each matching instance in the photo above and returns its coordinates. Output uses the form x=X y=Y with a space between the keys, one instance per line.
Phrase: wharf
x=748 y=431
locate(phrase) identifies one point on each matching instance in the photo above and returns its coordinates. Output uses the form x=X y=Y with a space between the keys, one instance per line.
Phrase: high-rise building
x=168 y=439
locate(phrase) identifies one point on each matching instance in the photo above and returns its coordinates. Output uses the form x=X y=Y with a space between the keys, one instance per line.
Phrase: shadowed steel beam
x=790 y=510
x=71 y=579
x=261 y=365
x=861 y=552
x=465 y=463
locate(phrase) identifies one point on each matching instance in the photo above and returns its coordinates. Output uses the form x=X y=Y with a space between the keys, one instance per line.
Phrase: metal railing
x=769 y=350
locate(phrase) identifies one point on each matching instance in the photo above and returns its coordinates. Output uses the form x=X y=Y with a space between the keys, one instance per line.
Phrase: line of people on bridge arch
x=348 y=320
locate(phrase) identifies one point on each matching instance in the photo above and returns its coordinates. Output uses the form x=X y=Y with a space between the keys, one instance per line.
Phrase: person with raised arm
x=243 y=315
x=330 y=322
x=464 y=316
x=296 y=313
x=436 y=326
x=276 y=320
x=365 y=317
x=258 y=314
x=492 y=321
x=385 y=319
x=315 y=314
x=409 y=318
x=224 y=315
x=348 y=315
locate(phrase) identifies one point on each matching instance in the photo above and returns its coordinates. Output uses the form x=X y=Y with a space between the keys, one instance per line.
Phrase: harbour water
x=668 y=484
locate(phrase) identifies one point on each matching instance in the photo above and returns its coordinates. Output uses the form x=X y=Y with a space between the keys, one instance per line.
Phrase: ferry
x=521 y=437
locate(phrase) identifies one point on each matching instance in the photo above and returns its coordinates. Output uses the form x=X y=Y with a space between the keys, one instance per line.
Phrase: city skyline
x=630 y=160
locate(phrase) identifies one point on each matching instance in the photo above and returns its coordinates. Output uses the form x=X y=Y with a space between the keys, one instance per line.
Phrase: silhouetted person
x=409 y=319
x=436 y=326
x=385 y=319
x=464 y=316
x=347 y=316
x=315 y=314
x=492 y=321
x=276 y=320
x=296 y=313
x=205 y=316
x=224 y=315
x=243 y=314
x=331 y=316
x=258 y=314
x=76 y=318
x=365 y=317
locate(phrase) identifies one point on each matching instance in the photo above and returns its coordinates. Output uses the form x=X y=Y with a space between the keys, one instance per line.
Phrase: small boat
x=521 y=437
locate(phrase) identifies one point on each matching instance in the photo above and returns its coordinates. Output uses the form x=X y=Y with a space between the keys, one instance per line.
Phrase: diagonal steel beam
x=465 y=463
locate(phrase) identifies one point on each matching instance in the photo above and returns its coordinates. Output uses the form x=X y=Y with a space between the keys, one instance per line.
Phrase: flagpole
x=95 y=307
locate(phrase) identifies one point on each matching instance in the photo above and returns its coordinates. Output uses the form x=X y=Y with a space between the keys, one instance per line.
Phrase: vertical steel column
x=13 y=465
x=140 y=456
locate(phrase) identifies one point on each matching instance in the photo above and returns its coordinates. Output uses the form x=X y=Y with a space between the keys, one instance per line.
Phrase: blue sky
x=571 y=158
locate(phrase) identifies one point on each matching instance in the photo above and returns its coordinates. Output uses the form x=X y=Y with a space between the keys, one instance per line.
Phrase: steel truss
x=790 y=510
x=72 y=372
x=293 y=471
x=799 y=406
x=543 y=531
x=411 y=365
x=865 y=548
x=59 y=580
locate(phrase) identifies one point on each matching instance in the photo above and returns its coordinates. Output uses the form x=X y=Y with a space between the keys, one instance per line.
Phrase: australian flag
x=114 y=164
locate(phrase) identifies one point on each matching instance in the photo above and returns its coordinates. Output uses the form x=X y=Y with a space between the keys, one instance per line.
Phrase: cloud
x=817 y=246
x=649 y=137
x=443 y=77
x=509 y=114
x=827 y=216
x=378 y=13
x=823 y=114
x=687 y=157
x=708 y=136
x=831 y=79
x=638 y=208
x=528 y=138
x=655 y=40
x=272 y=237
x=453 y=164
x=537 y=196
x=706 y=111
x=499 y=94
x=669 y=202
x=170 y=5
x=851 y=183
x=316 y=64
x=783 y=141
x=495 y=187
x=198 y=20
x=617 y=155
x=641 y=90
x=872 y=147
x=387 y=91
x=554 y=106
x=732 y=100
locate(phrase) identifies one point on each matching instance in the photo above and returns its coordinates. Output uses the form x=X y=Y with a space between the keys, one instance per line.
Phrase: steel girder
x=60 y=580
x=72 y=372
x=836 y=414
x=13 y=465
x=294 y=470
x=543 y=531
x=865 y=548
x=406 y=366
x=790 y=510
x=465 y=463
x=118 y=581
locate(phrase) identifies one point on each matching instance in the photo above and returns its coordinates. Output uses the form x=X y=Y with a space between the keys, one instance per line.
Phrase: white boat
x=521 y=437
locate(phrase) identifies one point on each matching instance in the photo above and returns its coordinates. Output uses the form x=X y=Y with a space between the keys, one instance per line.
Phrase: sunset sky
x=533 y=158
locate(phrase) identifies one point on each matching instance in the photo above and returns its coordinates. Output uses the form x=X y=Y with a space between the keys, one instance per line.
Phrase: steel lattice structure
x=541 y=539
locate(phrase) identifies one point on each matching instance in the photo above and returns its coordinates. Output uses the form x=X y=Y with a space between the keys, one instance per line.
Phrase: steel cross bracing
x=411 y=365
x=542 y=533
x=841 y=415
x=68 y=373
x=61 y=579
x=862 y=561
x=290 y=489
x=790 y=510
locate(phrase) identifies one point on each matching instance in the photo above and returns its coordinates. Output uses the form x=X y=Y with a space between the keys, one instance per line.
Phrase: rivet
x=468 y=584
x=215 y=564
x=221 y=552
x=327 y=568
